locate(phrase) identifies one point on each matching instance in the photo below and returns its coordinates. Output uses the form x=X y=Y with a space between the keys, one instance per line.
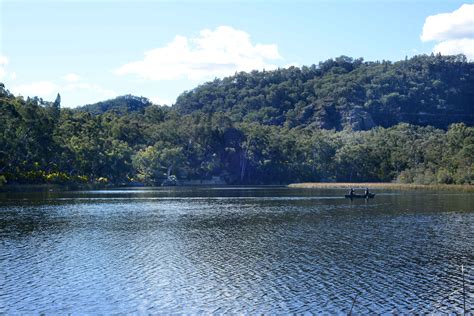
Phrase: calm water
x=256 y=250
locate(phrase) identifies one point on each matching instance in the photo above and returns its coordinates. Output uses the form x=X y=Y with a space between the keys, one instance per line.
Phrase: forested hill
x=345 y=93
x=258 y=128
x=120 y=105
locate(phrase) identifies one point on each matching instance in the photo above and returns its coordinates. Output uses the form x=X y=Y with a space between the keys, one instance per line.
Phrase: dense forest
x=341 y=120
x=345 y=93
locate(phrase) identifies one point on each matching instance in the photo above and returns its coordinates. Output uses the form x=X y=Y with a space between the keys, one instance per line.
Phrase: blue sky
x=94 y=50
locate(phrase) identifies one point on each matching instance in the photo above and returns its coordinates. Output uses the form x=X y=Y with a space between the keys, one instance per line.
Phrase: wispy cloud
x=44 y=89
x=71 y=77
x=72 y=93
x=160 y=101
x=459 y=46
x=87 y=87
x=3 y=64
x=214 y=53
x=454 y=31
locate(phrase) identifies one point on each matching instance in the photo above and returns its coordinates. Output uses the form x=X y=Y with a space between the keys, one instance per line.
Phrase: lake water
x=235 y=249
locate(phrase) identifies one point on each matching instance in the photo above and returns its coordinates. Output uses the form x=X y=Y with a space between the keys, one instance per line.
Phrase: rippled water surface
x=255 y=250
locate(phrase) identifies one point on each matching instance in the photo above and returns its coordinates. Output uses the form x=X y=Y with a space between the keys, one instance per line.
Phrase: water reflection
x=255 y=250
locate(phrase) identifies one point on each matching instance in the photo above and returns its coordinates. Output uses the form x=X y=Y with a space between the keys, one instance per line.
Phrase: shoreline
x=382 y=185
x=302 y=185
x=42 y=187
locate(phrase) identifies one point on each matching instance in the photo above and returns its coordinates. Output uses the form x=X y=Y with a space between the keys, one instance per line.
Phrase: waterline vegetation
x=384 y=186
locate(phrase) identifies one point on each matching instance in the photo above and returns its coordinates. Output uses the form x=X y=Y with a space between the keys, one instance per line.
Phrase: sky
x=90 y=51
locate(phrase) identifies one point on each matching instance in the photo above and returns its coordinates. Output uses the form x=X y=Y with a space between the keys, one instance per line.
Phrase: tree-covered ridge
x=121 y=105
x=40 y=142
x=345 y=93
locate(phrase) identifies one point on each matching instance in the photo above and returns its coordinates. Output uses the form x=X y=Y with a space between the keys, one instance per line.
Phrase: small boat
x=360 y=196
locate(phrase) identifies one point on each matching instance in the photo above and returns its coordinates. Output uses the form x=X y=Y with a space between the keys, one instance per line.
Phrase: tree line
x=263 y=139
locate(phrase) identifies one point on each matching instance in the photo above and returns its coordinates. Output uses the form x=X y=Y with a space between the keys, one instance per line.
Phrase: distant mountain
x=345 y=93
x=120 y=105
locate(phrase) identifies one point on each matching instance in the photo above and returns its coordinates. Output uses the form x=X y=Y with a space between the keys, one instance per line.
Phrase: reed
x=383 y=185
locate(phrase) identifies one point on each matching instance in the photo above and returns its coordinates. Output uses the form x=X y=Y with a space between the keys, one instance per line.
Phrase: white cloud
x=214 y=53
x=3 y=63
x=43 y=89
x=453 y=31
x=446 y=26
x=457 y=46
x=3 y=60
x=160 y=101
x=71 y=77
x=72 y=94
x=87 y=87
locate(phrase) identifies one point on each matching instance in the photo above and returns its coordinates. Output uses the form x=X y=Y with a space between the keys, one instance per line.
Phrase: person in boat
x=351 y=192
x=367 y=192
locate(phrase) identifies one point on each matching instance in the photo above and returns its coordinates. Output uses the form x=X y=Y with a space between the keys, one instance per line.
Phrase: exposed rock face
x=357 y=119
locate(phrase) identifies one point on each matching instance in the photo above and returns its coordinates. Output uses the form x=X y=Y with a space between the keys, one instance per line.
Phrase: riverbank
x=50 y=187
x=385 y=185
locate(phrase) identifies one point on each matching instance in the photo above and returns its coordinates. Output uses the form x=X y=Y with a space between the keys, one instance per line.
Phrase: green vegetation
x=344 y=120
x=121 y=105
x=345 y=93
x=360 y=186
